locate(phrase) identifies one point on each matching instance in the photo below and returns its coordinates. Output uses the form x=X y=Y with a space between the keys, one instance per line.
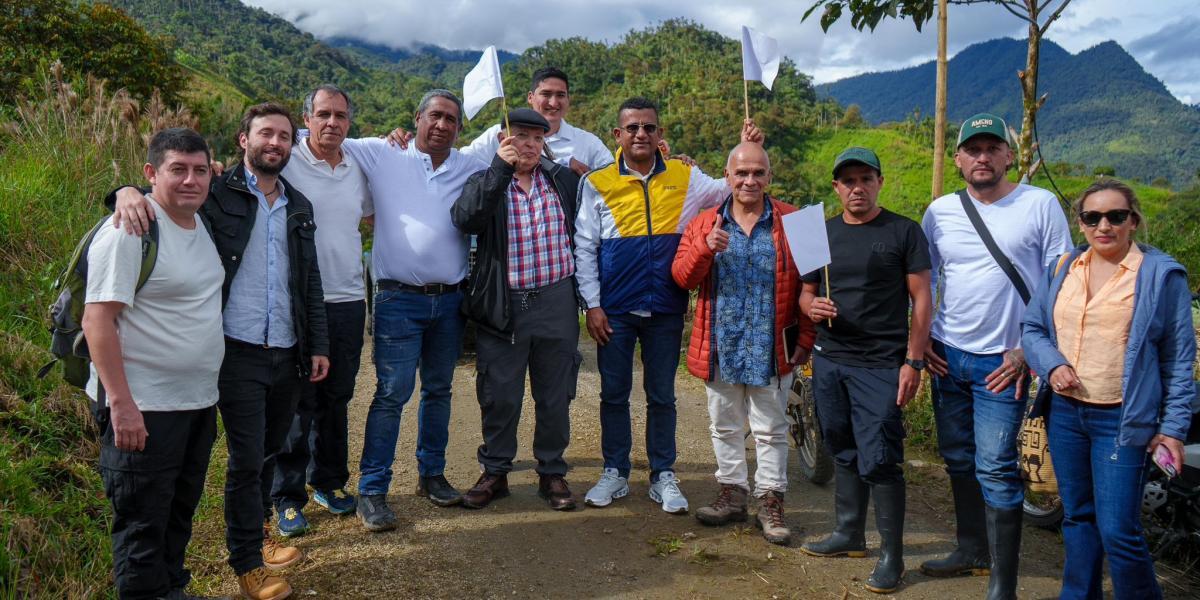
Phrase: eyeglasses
x=632 y=128
x=1091 y=218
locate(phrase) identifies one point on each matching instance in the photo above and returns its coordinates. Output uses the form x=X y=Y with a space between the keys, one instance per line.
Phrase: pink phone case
x=1164 y=461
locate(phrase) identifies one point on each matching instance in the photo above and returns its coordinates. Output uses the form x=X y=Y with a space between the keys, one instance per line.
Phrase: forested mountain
x=442 y=66
x=1103 y=108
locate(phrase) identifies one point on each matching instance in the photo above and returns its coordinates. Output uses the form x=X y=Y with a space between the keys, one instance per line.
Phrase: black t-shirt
x=868 y=280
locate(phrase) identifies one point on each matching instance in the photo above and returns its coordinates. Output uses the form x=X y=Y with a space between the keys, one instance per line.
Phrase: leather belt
x=432 y=289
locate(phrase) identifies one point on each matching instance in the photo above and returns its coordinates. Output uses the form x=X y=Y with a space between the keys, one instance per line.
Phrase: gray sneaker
x=375 y=513
x=666 y=492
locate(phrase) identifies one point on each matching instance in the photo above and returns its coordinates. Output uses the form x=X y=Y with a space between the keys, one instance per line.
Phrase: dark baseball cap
x=527 y=117
x=983 y=124
x=856 y=155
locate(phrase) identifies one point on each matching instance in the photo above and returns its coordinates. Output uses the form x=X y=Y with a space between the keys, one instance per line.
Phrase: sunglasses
x=1091 y=218
x=632 y=128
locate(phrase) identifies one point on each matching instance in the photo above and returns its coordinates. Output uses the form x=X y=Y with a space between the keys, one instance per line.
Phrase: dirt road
x=519 y=548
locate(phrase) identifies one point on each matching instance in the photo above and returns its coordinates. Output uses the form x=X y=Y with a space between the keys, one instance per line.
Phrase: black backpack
x=67 y=343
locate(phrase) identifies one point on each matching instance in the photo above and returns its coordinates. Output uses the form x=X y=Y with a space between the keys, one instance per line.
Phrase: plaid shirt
x=539 y=249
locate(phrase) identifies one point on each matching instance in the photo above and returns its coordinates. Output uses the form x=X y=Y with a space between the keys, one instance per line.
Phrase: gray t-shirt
x=170 y=330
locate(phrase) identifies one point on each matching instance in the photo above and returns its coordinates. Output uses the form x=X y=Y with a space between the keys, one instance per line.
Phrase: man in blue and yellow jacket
x=631 y=215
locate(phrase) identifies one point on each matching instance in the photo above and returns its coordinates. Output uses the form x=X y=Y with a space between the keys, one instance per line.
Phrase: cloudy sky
x=1164 y=35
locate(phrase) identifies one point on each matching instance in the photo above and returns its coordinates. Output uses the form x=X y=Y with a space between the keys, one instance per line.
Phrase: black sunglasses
x=632 y=128
x=1091 y=218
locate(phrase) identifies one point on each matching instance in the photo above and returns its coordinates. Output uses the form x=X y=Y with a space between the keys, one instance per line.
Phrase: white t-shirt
x=340 y=199
x=415 y=241
x=170 y=330
x=569 y=142
x=979 y=309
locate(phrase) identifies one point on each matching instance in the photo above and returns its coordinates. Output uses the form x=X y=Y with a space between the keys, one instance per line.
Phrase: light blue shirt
x=745 y=321
x=259 y=310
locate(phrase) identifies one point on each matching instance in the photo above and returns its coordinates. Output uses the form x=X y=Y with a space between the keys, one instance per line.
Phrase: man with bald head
x=736 y=253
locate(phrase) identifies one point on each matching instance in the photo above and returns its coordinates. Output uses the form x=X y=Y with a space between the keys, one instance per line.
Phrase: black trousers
x=316 y=448
x=546 y=326
x=862 y=426
x=259 y=390
x=154 y=494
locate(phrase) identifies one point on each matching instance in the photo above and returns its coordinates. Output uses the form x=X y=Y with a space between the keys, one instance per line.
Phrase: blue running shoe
x=336 y=501
x=292 y=522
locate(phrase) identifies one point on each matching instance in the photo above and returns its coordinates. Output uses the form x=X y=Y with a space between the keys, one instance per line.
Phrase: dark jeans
x=154 y=494
x=977 y=430
x=660 y=337
x=412 y=331
x=860 y=422
x=1101 y=488
x=259 y=390
x=544 y=343
x=315 y=450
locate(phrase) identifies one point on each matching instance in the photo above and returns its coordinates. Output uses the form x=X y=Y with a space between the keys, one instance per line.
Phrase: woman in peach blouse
x=1111 y=331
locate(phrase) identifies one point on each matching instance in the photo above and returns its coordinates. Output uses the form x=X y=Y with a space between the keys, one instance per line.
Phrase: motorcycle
x=816 y=464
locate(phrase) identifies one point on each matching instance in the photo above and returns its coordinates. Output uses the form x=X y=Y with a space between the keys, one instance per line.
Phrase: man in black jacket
x=274 y=325
x=522 y=296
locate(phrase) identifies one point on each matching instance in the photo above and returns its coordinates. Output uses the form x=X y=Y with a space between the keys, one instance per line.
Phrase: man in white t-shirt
x=156 y=354
x=974 y=357
x=316 y=452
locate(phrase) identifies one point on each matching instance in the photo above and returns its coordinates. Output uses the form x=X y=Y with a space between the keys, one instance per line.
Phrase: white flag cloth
x=483 y=83
x=760 y=57
x=807 y=238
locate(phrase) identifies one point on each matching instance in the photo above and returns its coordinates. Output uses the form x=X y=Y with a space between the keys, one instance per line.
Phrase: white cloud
x=514 y=26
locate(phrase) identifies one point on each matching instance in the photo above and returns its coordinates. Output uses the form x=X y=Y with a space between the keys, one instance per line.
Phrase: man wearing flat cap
x=522 y=296
x=867 y=360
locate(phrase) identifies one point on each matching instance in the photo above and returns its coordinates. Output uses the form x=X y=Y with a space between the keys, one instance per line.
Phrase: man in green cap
x=867 y=360
x=989 y=244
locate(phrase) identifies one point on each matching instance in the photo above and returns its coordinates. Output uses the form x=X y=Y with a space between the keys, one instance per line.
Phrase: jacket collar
x=660 y=164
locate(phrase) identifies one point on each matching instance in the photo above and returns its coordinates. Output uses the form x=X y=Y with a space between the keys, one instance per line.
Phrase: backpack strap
x=149 y=254
x=997 y=255
x=1061 y=260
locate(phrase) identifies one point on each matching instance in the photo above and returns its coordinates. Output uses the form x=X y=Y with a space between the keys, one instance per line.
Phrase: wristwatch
x=915 y=363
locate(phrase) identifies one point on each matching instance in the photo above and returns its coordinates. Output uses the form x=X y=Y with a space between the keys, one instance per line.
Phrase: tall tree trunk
x=939 y=115
x=1029 y=99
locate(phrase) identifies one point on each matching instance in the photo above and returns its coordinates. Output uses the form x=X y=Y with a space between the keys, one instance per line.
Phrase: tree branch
x=1053 y=17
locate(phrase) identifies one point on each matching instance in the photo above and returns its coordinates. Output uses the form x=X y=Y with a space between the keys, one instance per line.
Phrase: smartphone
x=1164 y=461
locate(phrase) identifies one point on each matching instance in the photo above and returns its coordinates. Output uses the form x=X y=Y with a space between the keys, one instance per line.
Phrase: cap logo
x=981 y=123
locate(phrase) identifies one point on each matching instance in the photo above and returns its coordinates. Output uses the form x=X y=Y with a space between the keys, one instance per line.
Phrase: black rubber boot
x=850 y=496
x=971 y=556
x=1004 y=540
x=889 y=520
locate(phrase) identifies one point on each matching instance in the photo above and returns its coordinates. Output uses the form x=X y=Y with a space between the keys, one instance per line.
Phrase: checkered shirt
x=539 y=248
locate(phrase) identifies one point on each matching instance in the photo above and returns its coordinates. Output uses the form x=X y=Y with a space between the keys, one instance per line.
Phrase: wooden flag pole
x=504 y=107
x=746 y=96
x=829 y=321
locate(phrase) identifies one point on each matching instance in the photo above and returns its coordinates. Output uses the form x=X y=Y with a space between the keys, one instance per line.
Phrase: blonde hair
x=1135 y=207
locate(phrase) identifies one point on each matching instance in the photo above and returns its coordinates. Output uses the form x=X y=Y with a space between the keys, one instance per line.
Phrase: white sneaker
x=665 y=491
x=610 y=487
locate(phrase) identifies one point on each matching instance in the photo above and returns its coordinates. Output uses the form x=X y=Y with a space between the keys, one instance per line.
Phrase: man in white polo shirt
x=419 y=260
x=316 y=452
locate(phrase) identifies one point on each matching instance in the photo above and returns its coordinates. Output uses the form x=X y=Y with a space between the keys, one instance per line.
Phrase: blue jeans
x=660 y=337
x=1101 y=488
x=977 y=430
x=411 y=330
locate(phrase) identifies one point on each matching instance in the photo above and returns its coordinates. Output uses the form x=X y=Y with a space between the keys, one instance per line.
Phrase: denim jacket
x=1157 y=386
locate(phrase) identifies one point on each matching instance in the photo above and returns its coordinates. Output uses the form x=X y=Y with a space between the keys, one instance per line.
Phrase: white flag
x=807 y=237
x=760 y=57
x=483 y=83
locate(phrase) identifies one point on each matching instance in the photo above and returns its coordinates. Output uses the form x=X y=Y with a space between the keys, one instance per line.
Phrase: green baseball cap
x=856 y=154
x=983 y=123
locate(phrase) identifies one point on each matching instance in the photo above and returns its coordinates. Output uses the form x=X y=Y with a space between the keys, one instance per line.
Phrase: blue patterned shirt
x=259 y=310
x=745 y=319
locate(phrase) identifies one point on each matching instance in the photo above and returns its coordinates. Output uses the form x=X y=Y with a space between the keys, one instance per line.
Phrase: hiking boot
x=260 y=585
x=336 y=501
x=971 y=556
x=666 y=492
x=850 y=497
x=276 y=556
x=438 y=490
x=729 y=506
x=490 y=486
x=889 y=521
x=610 y=487
x=1004 y=542
x=770 y=519
x=556 y=492
x=375 y=513
x=292 y=522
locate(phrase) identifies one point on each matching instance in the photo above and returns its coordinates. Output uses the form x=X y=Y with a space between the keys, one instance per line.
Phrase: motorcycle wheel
x=816 y=464
x=1043 y=510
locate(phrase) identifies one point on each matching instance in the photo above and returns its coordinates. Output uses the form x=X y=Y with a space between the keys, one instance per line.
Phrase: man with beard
x=974 y=355
x=274 y=325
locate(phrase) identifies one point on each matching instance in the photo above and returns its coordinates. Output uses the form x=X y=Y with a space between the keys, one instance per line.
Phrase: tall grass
x=59 y=153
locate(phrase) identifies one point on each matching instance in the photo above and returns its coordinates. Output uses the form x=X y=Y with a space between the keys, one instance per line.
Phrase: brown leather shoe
x=554 y=489
x=489 y=487
x=260 y=585
x=276 y=556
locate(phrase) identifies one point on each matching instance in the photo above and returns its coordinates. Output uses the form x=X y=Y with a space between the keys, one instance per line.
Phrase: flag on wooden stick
x=760 y=61
x=483 y=83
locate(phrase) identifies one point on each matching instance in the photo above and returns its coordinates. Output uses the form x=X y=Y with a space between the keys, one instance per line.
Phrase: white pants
x=729 y=407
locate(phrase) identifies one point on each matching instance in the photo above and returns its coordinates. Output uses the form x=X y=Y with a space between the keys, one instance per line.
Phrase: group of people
x=256 y=308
